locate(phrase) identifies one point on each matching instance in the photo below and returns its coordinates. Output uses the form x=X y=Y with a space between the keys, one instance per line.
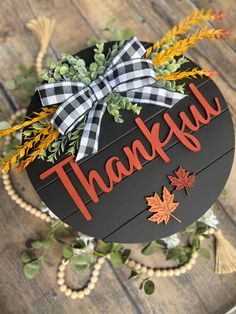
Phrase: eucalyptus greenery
x=115 y=102
x=25 y=83
x=181 y=254
x=167 y=68
x=82 y=254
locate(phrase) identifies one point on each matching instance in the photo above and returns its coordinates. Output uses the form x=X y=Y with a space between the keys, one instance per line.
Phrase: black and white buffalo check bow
x=128 y=74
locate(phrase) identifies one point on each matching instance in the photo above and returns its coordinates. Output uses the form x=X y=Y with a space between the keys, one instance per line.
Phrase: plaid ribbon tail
x=153 y=96
x=90 y=136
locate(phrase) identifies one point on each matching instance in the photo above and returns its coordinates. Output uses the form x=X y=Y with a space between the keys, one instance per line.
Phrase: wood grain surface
x=199 y=290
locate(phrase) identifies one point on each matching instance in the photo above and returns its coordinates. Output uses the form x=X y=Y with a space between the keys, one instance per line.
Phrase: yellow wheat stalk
x=183 y=45
x=193 y=73
x=43 y=145
x=25 y=149
x=186 y=25
x=39 y=116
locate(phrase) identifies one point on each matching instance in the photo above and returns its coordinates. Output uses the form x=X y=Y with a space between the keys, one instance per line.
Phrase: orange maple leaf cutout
x=183 y=179
x=163 y=209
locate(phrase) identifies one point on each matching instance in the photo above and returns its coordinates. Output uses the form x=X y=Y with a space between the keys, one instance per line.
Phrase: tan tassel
x=225 y=255
x=43 y=28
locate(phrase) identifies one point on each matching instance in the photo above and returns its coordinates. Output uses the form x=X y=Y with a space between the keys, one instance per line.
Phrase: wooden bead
x=48 y=219
x=95 y=273
x=6 y=181
x=5 y=176
x=23 y=204
x=131 y=264
x=164 y=273
x=37 y=213
x=74 y=295
x=43 y=216
x=86 y=291
x=33 y=210
x=93 y=279
x=143 y=269
x=62 y=267
x=61 y=281
x=188 y=266
x=63 y=288
x=28 y=208
x=170 y=272
x=150 y=272
x=195 y=255
x=158 y=273
x=101 y=260
x=80 y=294
x=8 y=187
x=183 y=269
x=68 y=292
x=18 y=200
x=14 y=196
x=192 y=261
x=11 y=192
x=138 y=266
x=176 y=272
x=91 y=285
x=60 y=274
x=97 y=266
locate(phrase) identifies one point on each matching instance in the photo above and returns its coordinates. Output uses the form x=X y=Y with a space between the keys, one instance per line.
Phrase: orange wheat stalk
x=183 y=45
x=186 y=74
x=43 y=135
x=39 y=116
x=186 y=25
x=43 y=145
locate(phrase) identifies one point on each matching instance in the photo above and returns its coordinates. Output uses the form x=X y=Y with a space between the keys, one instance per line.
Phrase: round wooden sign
x=110 y=195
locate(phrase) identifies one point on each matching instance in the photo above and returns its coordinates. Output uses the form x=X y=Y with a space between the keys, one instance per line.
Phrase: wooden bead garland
x=74 y=294
x=131 y=263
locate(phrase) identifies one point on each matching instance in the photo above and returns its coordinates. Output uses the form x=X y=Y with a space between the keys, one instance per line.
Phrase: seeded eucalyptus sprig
x=73 y=68
x=116 y=102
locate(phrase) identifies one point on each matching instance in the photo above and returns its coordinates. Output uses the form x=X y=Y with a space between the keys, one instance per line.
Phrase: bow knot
x=100 y=87
x=128 y=74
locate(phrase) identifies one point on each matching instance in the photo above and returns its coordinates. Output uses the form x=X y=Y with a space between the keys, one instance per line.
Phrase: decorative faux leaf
x=25 y=257
x=67 y=251
x=151 y=248
x=149 y=287
x=82 y=262
x=133 y=274
x=116 y=259
x=204 y=252
x=162 y=209
x=183 y=179
x=31 y=269
x=103 y=247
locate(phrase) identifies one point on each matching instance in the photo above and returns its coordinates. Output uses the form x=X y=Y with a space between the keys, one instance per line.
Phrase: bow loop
x=127 y=74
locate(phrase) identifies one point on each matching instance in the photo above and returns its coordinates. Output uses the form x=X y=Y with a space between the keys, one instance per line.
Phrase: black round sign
x=119 y=212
